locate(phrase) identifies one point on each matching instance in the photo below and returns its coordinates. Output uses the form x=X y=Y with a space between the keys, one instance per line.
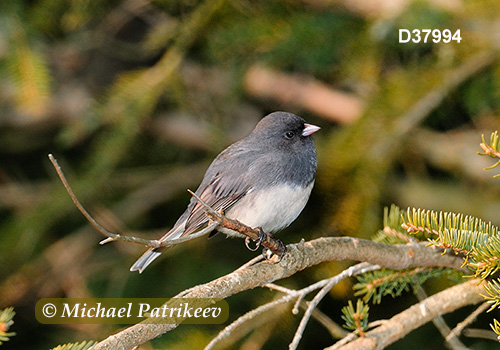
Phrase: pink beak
x=309 y=129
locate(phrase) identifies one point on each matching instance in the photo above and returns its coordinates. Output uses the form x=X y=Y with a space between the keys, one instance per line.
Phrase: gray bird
x=263 y=180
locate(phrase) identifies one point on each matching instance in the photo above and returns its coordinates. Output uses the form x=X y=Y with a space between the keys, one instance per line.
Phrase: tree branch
x=299 y=257
x=255 y=234
x=118 y=237
x=304 y=92
x=397 y=327
x=299 y=295
x=455 y=332
x=452 y=343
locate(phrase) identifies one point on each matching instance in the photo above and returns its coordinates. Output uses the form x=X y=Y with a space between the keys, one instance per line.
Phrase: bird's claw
x=247 y=244
x=262 y=237
x=276 y=252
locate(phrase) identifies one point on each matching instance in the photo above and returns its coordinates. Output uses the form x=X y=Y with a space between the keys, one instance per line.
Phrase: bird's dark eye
x=289 y=135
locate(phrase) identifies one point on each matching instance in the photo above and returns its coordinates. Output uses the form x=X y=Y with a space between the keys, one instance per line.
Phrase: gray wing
x=226 y=181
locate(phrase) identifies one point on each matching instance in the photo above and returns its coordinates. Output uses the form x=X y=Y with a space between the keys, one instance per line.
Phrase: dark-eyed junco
x=263 y=180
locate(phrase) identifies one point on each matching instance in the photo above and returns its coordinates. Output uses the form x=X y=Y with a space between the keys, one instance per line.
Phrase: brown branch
x=455 y=332
x=397 y=327
x=255 y=234
x=111 y=236
x=303 y=92
x=299 y=257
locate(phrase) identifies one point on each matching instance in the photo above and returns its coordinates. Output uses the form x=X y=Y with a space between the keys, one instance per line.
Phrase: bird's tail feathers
x=145 y=259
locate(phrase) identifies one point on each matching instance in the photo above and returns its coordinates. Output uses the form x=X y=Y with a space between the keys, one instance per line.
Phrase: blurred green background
x=135 y=98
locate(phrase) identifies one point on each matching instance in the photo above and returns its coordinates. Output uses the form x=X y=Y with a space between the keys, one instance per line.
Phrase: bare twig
x=115 y=236
x=257 y=235
x=455 y=332
x=95 y=224
x=352 y=271
x=304 y=92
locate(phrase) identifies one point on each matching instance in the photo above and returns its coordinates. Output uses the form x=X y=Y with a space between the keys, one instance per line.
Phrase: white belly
x=273 y=209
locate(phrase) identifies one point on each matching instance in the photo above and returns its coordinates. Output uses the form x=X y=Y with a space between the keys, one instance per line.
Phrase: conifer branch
x=492 y=149
x=356 y=319
x=6 y=321
x=299 y=257
x=374 y=285
x=76 y=346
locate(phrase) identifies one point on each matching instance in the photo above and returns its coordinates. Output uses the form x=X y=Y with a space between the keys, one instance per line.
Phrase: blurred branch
x=132 y=99
x=299 y=257
x=303 y=92
x=397 y=327
x=457 y=76
x=382 y=9
x=480 y=333
x=451 y=151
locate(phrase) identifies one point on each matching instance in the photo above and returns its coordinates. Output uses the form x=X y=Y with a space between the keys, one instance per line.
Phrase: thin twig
x=90 y=219
x=291 y=295
x=455 y=332
x=280 y=288
x=268 y=240
x=115 y=236
x=352 y=271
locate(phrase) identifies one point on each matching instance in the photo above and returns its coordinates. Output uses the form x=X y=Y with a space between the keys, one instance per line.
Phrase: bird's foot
x=262 y=237
x=277 y=253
